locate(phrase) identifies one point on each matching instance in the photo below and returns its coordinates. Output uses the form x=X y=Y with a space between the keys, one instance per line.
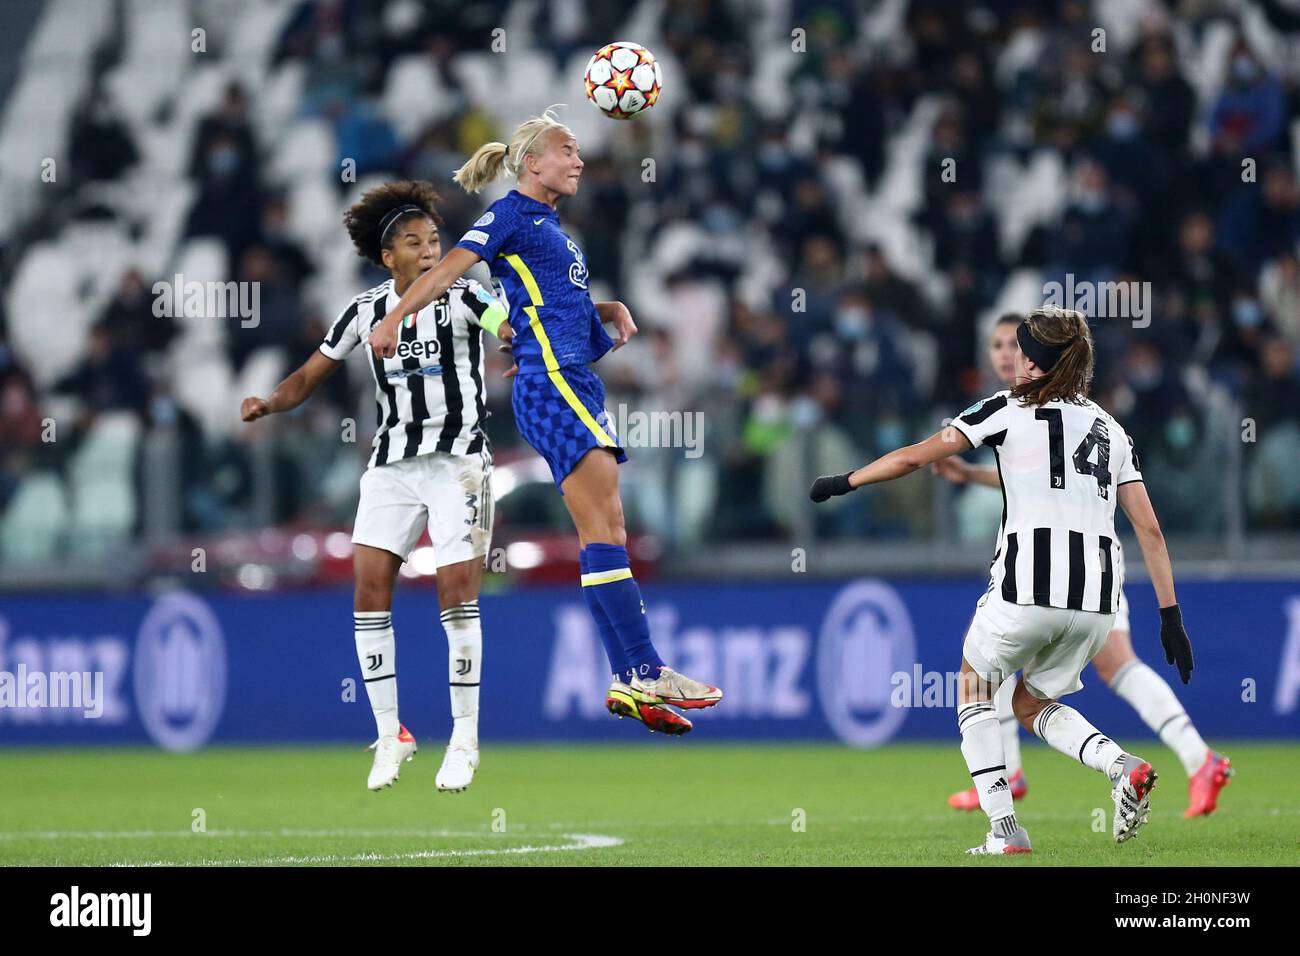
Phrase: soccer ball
x=623 y=79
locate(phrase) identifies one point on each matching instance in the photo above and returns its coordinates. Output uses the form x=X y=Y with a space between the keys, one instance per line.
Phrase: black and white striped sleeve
x=343 y=336
x=1129 y=470
x=983 y=419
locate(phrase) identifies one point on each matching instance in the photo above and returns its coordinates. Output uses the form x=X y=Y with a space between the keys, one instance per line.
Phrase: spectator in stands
x=279 y=316
x=21 y=424
x=1092 y=239
x=1262 y=220
x=107 y=378
x=231 y=126
x=100 y=145
x=966 y=234
x=363 y=136
x=129 y=319
x=230 y=197
x=1156 y=390
x=287 y=252
x=1250 y=114
x=1271 y=400
x=1169 y=102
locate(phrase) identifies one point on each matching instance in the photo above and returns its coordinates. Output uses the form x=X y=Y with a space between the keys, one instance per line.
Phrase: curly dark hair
x=363 y=218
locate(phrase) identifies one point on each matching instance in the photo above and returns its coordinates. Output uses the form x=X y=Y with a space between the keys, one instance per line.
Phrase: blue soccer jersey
x=543 y=276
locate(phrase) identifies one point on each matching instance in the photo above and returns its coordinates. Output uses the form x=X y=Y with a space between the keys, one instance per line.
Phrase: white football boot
x=1132 y=795
x=457 y=770
x=390 y=752
x=676 y=689
x=995 y=843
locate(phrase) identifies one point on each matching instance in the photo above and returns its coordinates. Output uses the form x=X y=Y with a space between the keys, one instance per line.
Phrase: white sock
x=1010 y=726
x=1151 y=696
x=1068 y=731
x=981 y=745
x=377 y=652
x=464 y=664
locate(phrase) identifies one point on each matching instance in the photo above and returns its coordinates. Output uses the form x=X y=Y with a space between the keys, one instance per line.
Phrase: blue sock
x=608 y=636
x=609 y=577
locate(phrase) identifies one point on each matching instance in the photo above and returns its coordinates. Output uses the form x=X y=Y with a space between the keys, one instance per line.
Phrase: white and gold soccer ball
x=623 y=79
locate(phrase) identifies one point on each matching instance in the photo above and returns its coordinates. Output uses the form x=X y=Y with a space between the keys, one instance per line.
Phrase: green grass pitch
x=680 y=803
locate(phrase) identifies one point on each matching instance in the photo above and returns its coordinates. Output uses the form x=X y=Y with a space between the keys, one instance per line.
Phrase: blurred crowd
x=844 y=197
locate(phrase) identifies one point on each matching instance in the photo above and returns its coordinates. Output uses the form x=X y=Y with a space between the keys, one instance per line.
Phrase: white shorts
x=1121 y=614
x=449 y=494
x=1050 y=646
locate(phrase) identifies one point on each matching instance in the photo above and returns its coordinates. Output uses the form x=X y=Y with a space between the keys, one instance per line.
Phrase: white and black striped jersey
x=1060 y=465
x=430 y=394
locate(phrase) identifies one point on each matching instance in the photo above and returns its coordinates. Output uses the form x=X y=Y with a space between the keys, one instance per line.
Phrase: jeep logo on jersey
x=180 y=672
x=419 y=349
x=866 y=636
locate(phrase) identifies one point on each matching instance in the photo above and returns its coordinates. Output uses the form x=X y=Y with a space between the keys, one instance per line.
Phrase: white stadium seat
x=305 y=148
x=101 y=482
x=414 y=95
x=33 y=526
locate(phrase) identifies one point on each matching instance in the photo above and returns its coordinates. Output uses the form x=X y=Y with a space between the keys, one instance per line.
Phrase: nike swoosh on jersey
x=538 y=222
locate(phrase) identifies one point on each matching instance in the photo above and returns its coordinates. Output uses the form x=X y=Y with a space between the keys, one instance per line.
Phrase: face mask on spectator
x=1092 y=200
x=1247 y=313
x=223 y=161
x=1143 y=377
x=163 y=411
x=1244 y=69
x=853 y=322
x=1123 y=126
x=890 y=435
x=1180 y=432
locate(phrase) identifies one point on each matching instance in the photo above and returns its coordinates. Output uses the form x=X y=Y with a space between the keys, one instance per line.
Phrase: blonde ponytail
x=493 y=160
x=487 y=164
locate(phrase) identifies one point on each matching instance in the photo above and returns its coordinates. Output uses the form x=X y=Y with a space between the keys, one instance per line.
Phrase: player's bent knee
x=1026 y=706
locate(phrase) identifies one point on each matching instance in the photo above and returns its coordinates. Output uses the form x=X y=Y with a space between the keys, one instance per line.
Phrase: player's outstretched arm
x=293 y=391
x=1136 y=503
x=896 y=464
x=425 y=289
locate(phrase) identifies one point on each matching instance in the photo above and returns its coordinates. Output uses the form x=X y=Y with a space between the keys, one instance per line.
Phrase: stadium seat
x=47 y=348
x=260 y=373
x=276 y=102
x=315 y=212
x=978 y=513
x=101 y=482
x=200 y=260
x=305 y=148
x=415 y=95
x=202 y=383
x=32 y=528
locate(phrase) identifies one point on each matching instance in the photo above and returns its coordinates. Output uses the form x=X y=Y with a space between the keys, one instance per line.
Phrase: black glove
x=829 y=486
x=1173 y=636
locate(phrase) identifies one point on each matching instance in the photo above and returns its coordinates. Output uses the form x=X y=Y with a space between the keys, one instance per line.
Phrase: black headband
x=392 y=216
x=1040 y=353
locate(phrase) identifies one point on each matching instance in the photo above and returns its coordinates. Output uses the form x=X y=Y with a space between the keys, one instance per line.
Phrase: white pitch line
x=583 y=841
x=215 y=833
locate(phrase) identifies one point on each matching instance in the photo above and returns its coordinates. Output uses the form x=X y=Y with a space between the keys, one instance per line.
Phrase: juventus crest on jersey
x=430 y=394
x=1061 y=465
